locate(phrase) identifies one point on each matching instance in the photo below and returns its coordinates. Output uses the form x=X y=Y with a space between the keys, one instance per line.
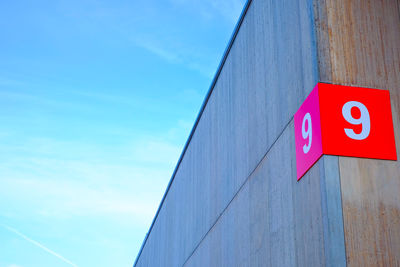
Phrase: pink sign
x=307 y=128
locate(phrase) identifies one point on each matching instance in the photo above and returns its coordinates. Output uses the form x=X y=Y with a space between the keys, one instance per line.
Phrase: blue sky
x=97 y=99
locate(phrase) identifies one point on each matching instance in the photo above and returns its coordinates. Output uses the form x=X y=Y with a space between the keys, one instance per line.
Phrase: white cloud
x=74 y=198
x=96 y=190
x=49 y=178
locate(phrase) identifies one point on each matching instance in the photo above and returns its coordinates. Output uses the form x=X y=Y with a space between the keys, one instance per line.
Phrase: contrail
x=15 y=231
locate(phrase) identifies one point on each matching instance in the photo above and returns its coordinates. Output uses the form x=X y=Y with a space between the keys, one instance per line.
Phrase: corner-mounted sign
x=344 y=121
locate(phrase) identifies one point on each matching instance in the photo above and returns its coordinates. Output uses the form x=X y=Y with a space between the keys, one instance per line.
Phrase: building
x=234 y=199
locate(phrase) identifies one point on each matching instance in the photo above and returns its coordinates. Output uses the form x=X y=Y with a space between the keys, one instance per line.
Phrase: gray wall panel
x=275 y=220
x=332 y=214
x=308 y=217
x=269 y=71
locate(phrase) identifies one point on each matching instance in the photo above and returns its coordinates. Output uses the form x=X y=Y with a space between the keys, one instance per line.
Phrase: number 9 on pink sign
x=307 y=133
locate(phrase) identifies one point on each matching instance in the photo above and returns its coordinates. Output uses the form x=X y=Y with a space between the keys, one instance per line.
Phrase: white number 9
x=307 y=133
x=364 y=120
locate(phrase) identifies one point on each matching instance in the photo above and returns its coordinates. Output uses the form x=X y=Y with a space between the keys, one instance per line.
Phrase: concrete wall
x=234 y=200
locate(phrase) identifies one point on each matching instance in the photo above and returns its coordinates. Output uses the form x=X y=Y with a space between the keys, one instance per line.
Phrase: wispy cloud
x=55 y=254
x=159 y=50
x=174 y=41
x=229 y=9
x=71 y=199
x=182 y=54
x=67 y=180
x=10 y=82
x=209 y=9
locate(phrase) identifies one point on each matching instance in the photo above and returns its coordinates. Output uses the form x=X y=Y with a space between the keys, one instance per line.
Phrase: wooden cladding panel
x=359 y=44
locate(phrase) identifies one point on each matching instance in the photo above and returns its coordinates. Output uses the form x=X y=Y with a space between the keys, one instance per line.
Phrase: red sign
x=354 y=121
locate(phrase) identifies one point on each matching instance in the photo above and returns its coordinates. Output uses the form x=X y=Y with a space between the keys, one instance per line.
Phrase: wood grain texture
x=363 y=37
